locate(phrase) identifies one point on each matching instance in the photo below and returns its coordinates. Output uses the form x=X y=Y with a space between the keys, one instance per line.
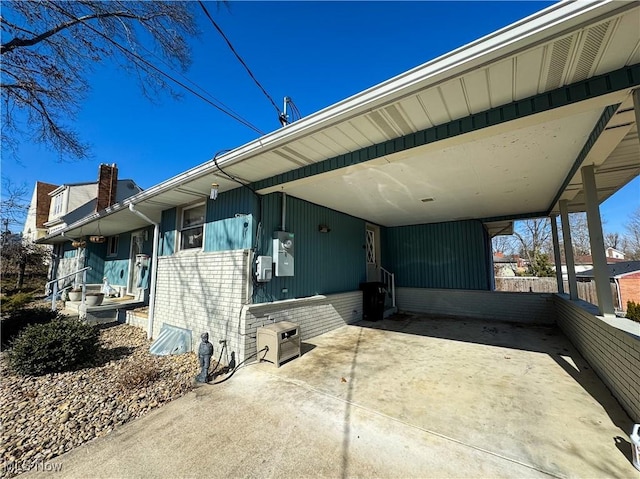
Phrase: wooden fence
x=586 y=290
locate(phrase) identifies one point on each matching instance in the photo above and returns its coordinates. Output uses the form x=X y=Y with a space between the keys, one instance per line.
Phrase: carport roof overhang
x=496 y=130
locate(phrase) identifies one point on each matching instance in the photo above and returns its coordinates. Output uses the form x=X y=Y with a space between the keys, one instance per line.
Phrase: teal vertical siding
x=442 y=255
x=94 y=258
x=324 y=262
x=168 y=232
x=223 y=229
x=116 y=268
x=229 y=234
x=230 y=221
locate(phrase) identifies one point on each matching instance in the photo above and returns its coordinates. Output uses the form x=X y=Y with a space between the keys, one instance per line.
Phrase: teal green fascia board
x=521 y=216
x=593 y=137
x=627 y=77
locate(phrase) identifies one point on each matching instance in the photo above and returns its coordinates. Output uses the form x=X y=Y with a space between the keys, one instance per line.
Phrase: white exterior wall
x=203 y=292
x=614 y=354
x=531 y=308
x=315 y=315
x=30 y=232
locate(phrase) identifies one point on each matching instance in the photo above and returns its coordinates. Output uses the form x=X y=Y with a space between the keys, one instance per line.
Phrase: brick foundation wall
x=613 y=353
x=530 y=308
x=315 y=315
x=203 y=292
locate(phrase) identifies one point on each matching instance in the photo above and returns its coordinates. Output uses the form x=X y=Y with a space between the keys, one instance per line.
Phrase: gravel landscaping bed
x=43 y=417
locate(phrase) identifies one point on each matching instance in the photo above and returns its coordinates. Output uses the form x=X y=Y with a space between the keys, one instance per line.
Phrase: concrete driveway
x=405 y=397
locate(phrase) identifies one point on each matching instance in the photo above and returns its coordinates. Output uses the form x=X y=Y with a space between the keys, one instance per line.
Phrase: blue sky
x=318 y=53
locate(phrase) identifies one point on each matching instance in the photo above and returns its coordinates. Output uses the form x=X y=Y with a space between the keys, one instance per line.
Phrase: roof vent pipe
x=154 y=263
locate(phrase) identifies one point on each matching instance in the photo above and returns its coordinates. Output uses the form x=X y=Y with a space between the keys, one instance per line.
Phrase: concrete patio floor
x=405 y=397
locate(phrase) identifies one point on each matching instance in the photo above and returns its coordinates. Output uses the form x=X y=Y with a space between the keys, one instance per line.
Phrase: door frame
x=134 y=268
x=372 y=242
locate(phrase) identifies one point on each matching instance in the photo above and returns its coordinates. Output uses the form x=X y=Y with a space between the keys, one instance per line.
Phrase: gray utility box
x=283 y=340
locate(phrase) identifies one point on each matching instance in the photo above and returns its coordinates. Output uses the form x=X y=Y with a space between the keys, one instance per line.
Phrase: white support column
x=556 y=253
x=596 y=241
x=568 y=250
x=636 y=107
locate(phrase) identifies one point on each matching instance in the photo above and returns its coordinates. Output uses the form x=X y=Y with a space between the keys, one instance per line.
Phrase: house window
x=192 y=227
x=112 y=245
x=57 y=204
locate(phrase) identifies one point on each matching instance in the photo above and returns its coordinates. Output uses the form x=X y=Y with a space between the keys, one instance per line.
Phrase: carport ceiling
x=499 y=173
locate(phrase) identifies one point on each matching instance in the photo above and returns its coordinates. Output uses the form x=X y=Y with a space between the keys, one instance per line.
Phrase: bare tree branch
x=52 y=47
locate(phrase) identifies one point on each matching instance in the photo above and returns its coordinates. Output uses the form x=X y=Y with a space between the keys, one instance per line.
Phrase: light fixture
x=324 y=229
x=214 y=191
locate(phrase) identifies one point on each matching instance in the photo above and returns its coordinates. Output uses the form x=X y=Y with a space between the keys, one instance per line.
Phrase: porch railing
x=54 y=282
x=389 y=279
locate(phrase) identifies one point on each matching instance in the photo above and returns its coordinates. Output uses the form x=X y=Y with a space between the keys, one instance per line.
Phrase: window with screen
x=192 y=227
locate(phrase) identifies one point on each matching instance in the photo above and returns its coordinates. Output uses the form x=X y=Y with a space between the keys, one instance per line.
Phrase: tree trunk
x=22 y=266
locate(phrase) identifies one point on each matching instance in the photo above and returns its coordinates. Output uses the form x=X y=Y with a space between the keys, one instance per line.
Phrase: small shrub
x=139 y=373
x=15 y=301
x=64 y=344
x=633 y=311
x=19 y=319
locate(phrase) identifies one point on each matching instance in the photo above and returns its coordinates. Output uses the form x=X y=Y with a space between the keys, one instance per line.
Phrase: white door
x=134 y=269
x=373 y=252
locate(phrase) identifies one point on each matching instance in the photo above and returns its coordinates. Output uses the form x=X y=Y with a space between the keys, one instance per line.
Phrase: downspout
x=154 y=273
x=619 y=293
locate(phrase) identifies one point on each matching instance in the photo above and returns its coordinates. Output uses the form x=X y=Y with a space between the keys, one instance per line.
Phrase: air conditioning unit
x=282 y=339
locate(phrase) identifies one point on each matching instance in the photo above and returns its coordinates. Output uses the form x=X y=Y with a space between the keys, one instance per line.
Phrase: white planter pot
x=93 y=299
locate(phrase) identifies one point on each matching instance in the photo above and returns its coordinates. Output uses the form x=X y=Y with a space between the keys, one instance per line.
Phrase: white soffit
x=513 y=172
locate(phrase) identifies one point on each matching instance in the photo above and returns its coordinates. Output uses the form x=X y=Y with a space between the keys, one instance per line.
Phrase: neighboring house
x=38 y=214
x=614 y=253
x=507 y=266
x=584 y=262
x=411 y=177
x=74 y=201
x=626 y=277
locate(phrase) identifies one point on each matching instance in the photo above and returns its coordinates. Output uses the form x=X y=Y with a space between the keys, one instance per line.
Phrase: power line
x=192 y=82
x=158 y=70
x=238 y=56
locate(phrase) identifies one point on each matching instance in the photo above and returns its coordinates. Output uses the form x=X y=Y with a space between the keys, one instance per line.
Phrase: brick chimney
x=107 y=184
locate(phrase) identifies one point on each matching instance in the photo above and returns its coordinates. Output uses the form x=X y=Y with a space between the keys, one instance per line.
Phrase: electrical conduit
x=154 y=271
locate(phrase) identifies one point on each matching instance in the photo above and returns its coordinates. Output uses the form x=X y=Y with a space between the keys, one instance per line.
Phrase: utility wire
x=238 y=56
x=191 y=82
x=153 y=67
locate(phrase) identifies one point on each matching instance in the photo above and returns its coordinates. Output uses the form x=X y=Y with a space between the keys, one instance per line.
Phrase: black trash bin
x=373 y=296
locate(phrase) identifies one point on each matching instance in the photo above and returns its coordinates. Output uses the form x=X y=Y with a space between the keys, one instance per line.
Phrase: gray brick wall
x=531 y=308
x=204 y=292
x=613 y=354
x=315 y=315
